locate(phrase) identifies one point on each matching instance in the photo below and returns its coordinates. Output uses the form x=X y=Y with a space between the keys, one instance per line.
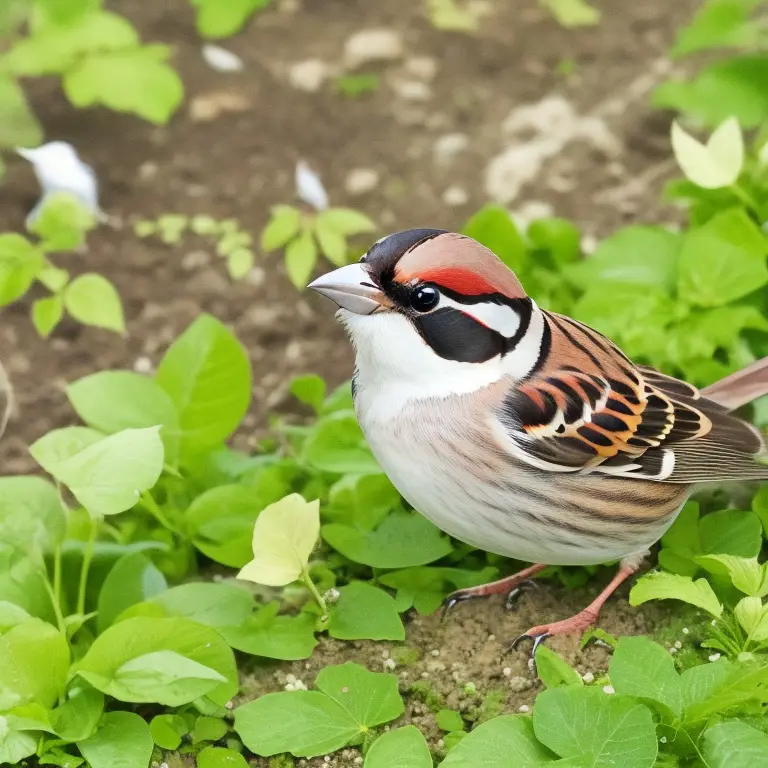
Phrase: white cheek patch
x=498 y=317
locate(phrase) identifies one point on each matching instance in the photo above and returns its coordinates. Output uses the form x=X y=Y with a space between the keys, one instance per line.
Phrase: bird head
x=431 y=302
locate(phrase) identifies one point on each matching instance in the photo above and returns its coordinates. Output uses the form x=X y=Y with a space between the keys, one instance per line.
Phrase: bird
x=521 y=431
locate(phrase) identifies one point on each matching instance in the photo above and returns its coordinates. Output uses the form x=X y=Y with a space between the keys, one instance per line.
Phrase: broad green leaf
x=61 y=224
x=65 y=11
x=208 y=376
x=11 y=615
x=149 y=86
x=573 y=13
x=364 y=612
x=332 y=243
x=718 y=24
x=77 y=718
x=310 y=390
x=558 y=237
x=749 y=612
x=713 y=165
x=168 y=730
x=731 y=532
x=402 y=748
x=275 y=637
x=746 y=684
x=283 y=225
x=337 y=445
x=31 y=513
x=19 y=127
x=553 y=670
x=133 y=579
x=733 y=87
x=284 y=536
x=240 y=263
x=15 y=745
x=501 y=742
x=117 y=663
x=53 y=278
x=449 y=720
x=209 y=729
x=111 y=401
x=723 y=260
x=20 y=262
x=344 y=221
x=671 y=586
x=699 y=683
x=403 y=540
x=493 y=227
x=34 y=660
x=747 y=575
x=735 y=745
x=107 y=476
x=639 y=667
x=122 y=741
x=22 y=581
x=212 y=604
x=54 y=48
x=47 y=314
x=221 y=523
x=361 y=500
x=640 y=256
x=220 y=757
x=300 y=259
x=92 y=300
x=216 y=19
x=603 y=731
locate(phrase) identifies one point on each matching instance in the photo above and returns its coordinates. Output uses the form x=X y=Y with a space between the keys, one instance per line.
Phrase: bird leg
x=578 y=623
x=511 y=585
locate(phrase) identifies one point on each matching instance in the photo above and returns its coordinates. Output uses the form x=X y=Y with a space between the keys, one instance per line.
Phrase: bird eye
x=424 y=298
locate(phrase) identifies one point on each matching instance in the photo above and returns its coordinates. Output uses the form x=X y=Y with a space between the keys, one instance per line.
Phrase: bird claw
x=452 y=601
x=537 y=641
x=514 y=594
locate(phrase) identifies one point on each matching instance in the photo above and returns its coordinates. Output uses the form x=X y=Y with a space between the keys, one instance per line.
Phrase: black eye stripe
x=454 y=335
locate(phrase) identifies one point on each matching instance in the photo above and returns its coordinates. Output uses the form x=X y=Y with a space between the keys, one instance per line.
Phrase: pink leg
x=578 y=623
x=507 y=585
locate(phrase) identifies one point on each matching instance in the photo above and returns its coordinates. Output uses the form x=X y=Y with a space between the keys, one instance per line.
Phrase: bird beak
x=351 y=288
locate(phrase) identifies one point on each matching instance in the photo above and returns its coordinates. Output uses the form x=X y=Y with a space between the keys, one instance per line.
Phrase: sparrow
x=521 y=431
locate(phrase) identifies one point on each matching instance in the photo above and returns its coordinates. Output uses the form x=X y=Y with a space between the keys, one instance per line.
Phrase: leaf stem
x=745 y=198
x=306 y=578
x=148 y=500
x=57 y=574
x=86 y=566
x=55 y=605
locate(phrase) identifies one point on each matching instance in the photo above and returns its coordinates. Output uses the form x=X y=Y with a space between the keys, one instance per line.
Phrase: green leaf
x=107 y=476
x=212 y=604
x=402 y=540
x=240 y=263
x=310 y=390
x=364 y=612
x=92 y=300
x=734 y=87
x=500 y=743
x=601 y=730
x=671 y=586
x=553 y=670
x=300 y=259
x=283 y=225
x=20 y=263
x=220 y=757
x=449 y=720
x=361 y=500
x=65 y=11
x=731 y=532
x=170 y=661
x=713 y=165
x=747 y=574
x=216 y=19
x=337 y=445
x=168 y=730
x=34 y=659
x=344 y=221
x=221 y=523
x=47 y=314
x=19 y=127
x=639 y=667
x=307 y=723
x=208 y=376
x=11 y=615
x=718 y=24
x=332 y=243
x=749 y=612
x=133 y=579
x=573 y=13
x=53 y=278
x=402 y=748
x=149 y=86
x=54 y=48
x=745 y=685
x=77 y=718
x=699 y=683
x=31 y=514
x=15 y=745
x=558 y=237
x=735 y=745
x=111 y=401
x=122 y=741
x=62 y=224
x=277 y=637
x=493 y=227
x=284 y=536
x=641 y=256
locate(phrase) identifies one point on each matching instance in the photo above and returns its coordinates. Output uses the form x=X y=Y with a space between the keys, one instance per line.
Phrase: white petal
x=726 y=148
x=221 y=59
x=309 y=187
x=714 y=165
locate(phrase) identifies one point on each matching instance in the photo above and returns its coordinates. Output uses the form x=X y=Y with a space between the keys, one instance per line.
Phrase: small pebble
x=425 y=675
x=714 y=656
x=673 y=651
x=507 y=671
x=686 y=630
x=142 y=365
x=456 y=196
x=588 y=677
x=360 y=181
x=290 y=678
x=663 y=739
x=608 y=689
x=491 y=637
x=435 y=652
x=523 y=708
x=369 y=45
x=221 y=59
x=389 y=664
x=308 y=75
x=678 y=645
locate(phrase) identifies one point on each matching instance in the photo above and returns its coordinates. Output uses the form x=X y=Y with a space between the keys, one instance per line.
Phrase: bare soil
x=230 y=152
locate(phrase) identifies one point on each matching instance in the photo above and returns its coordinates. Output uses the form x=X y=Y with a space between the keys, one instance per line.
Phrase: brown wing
x=589 y=408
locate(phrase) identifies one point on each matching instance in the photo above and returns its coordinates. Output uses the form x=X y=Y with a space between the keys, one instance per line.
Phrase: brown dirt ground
x=241 y=161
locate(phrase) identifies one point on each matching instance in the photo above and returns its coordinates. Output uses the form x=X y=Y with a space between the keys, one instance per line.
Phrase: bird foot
x=575 y=625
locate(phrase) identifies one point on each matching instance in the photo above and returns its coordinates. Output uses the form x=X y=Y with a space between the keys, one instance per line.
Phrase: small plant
x=453 y=15
x=89 y=298
x=354 y=86
x=216 y=20
x=572 y=13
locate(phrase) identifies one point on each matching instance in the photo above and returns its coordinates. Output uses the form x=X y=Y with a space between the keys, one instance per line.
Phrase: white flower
x=715 y=164
x=309 y=187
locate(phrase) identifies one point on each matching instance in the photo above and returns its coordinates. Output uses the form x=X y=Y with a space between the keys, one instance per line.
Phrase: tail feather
x=741 y=387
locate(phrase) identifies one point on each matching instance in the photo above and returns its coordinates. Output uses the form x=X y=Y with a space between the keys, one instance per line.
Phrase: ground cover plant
x=150 y=571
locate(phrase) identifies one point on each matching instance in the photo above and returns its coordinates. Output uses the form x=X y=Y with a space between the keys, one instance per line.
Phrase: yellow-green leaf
x=715 y=164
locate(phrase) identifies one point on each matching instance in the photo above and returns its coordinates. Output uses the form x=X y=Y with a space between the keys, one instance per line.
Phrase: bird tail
x=6 y=399
x=741 y=387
